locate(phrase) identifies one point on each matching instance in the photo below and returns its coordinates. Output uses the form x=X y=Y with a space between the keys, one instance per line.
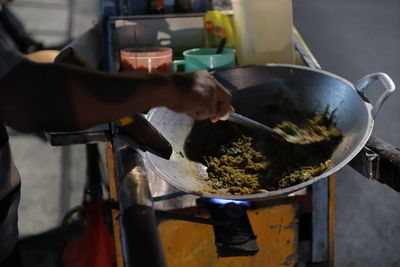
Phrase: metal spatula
x=239 y=119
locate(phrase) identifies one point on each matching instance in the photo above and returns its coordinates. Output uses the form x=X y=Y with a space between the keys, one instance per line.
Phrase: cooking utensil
x=237 y=118
x=137 y=129
x=221 y=46
x=259 y=92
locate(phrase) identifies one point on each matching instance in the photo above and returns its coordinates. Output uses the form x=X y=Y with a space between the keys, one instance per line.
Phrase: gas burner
x=226 y=201
x=235 y=236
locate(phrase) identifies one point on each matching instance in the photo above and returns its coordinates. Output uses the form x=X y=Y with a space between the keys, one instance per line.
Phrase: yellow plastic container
x=263 y=31
x=217 y=26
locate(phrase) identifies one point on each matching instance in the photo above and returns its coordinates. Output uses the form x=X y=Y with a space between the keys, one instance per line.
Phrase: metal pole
x=141 y=241
x=70 y=19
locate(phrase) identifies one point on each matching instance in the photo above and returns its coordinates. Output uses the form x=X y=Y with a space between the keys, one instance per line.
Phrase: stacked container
x=263 y=31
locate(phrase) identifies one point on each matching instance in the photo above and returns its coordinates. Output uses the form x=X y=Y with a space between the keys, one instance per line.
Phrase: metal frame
x=323 y=200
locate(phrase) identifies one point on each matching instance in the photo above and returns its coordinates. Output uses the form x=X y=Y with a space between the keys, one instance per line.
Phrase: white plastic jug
x=263 y=31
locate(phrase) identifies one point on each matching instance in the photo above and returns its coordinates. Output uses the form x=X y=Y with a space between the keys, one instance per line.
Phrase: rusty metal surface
x=193 y=244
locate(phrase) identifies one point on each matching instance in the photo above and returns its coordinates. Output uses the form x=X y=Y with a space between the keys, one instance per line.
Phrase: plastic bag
x=218 y=26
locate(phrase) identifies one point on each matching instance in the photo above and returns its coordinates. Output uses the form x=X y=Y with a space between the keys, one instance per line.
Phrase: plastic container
x=218 y=26
x=206 y=59
x=263 y=30
x=150 y=59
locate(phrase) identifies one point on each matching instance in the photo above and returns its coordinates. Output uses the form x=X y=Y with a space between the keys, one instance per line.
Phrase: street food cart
x=157 y=224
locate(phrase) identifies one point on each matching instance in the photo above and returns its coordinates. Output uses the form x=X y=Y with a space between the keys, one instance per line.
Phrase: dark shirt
x=9 y=177
x=9 y=58
x=9 y=197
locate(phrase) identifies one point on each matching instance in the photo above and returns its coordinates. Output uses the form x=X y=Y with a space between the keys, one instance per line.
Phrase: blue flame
x=226 y=201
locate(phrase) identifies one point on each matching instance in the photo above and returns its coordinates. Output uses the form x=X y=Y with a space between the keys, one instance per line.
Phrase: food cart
x=156 y=224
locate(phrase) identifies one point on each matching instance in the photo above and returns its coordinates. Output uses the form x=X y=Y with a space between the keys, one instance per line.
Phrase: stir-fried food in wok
x=238 y=168
x=317 y=129
x=303 y=174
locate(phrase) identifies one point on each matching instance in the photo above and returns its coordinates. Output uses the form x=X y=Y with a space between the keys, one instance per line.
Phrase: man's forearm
x=37 y=97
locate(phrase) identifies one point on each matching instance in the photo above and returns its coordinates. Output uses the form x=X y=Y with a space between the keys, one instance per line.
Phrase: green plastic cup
x=206 y=59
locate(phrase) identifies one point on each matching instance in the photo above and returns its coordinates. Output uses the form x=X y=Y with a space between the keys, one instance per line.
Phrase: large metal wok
x=255 y=90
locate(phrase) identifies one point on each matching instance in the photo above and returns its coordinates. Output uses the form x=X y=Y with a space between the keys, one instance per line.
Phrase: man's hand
x=200 y=96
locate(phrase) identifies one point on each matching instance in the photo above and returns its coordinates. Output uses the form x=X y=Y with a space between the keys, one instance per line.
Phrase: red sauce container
x=150 y=59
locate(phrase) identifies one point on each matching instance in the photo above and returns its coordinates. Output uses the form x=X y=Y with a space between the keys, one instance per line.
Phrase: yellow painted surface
x=124 y=121
x=192 y=244
x=113 y=195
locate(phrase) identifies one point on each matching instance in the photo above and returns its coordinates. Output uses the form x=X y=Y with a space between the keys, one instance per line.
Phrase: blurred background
x=350 y=38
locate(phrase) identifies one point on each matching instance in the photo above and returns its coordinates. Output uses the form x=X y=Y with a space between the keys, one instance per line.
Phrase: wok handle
x=387 y=83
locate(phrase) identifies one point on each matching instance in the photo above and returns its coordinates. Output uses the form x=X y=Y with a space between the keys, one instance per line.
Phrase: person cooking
x=55 y=97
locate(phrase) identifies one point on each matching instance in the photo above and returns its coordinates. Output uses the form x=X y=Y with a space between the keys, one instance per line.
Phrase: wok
x=259 y=92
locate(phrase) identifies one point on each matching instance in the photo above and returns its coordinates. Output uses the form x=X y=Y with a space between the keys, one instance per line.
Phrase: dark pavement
x=352 y=38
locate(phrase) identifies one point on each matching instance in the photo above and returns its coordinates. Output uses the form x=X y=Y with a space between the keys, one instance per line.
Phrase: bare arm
x=43 y=56
x=49 y=97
